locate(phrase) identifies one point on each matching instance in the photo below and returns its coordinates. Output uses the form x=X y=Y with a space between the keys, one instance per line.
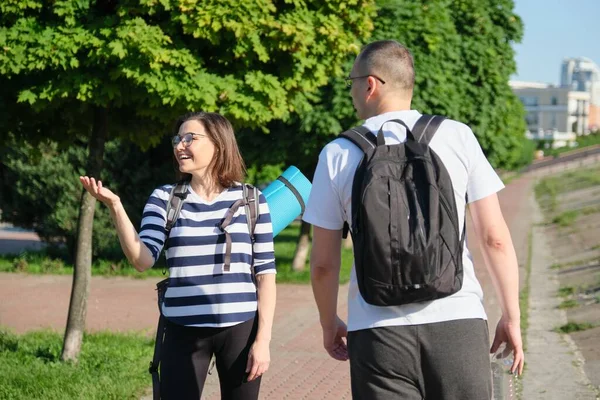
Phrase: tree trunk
x=82 y=272
x=302 y=247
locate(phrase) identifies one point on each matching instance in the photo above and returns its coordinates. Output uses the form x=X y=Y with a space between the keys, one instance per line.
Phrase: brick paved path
x=300 y=368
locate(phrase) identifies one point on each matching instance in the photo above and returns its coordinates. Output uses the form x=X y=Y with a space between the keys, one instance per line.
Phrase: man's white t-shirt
x=329 y=206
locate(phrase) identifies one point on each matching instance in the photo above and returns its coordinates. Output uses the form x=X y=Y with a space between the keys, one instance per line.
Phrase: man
x=434 y=349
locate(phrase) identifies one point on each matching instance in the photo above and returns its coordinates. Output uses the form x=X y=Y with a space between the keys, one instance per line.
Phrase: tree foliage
x=124 y=69
x=253 y=61
x=38 y=190
x=463 y=60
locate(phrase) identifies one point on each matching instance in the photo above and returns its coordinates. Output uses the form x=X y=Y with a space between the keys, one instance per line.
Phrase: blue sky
x=555 y=29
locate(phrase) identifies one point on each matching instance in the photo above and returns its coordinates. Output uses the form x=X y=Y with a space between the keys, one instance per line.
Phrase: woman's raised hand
x=101 y=193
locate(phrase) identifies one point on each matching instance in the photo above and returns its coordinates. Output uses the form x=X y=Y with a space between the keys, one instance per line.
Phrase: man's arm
x=325 y=262
x=501 y=261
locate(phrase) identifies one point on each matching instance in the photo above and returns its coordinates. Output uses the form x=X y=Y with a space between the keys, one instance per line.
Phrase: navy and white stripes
x=200 y=292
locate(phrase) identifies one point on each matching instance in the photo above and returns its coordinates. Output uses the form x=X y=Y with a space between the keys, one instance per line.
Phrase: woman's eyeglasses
x=186 y=138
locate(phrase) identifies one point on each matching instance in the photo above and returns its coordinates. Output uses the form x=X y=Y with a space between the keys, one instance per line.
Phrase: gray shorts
x=441 y=361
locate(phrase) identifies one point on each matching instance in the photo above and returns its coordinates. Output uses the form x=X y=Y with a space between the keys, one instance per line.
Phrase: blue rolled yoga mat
x=286 y=197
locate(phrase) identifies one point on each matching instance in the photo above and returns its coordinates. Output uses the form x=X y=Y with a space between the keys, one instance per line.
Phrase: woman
x=210 y=310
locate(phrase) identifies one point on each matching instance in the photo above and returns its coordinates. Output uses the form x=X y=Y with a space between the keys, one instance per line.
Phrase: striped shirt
x=200 y=293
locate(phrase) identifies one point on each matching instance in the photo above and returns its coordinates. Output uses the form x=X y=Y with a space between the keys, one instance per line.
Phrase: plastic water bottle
x=502 y=379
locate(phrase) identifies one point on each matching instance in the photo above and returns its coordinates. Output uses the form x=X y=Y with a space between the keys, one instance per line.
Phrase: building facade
x=555 y=114
x=583 y=75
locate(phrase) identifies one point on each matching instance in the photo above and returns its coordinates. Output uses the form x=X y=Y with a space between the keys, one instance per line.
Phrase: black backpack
x=407 y=247
x=177 y=196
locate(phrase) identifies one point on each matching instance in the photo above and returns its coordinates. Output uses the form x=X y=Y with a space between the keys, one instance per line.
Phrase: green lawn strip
x=111 y=366
x=548 y=188
x=285 y=247
x=570 y=303
x=566 y=218
x=40 y=262
x=574 y=327
x=524 y=306
x=578 y=263
x=524 y=293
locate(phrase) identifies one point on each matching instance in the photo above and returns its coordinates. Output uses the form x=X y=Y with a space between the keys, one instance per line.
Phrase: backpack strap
x=250 y=202
x=426 y=126
x=178 y=194
x=362 y=137
x=161 y=288
x=251 y=206
x=409 y=132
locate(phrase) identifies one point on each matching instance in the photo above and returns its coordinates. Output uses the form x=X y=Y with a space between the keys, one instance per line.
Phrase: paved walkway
x=555 y=365
x=300 y=368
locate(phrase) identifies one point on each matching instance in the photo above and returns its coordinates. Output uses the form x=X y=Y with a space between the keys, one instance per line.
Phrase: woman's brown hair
x=227 y=165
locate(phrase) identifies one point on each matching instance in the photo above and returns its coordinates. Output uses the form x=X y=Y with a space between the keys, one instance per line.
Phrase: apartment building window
x=532 y=119
x=529 y=101
x=554 y=101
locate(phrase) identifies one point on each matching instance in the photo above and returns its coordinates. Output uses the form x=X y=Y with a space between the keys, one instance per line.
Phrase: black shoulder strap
x=426 y=127
x=409 y=132
x=175 y=202
x=161 y=288
x=362 y=137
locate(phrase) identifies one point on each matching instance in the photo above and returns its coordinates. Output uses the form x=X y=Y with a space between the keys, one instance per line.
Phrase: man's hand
x=509 y=332
x=259 y=359
x=334 y=340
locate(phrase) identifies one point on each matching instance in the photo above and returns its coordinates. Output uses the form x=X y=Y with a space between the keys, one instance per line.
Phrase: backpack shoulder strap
x=365 y=140
x=251 y=203
x=426 y=127
x=178 y=194
x=362 y=137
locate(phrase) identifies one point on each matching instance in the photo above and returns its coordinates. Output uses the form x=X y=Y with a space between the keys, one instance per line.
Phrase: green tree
x=463 y=61
x=37 y=189
x=125 y=69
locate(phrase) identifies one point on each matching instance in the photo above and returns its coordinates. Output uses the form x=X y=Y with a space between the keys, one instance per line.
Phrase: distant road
x=15 y=240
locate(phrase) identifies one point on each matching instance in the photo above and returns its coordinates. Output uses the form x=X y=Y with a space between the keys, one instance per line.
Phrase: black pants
x=440 y=361
x=186 y=355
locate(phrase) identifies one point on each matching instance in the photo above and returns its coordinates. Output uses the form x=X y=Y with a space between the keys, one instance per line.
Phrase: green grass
x=568 y=304
x=41 y=262
x=574 y=327
x=547 y=189
x=566 y=218
x=577 y=263
x=524 y=307
x=524 y=293
x=285 y=246
x=566 y=291
x=111 y=366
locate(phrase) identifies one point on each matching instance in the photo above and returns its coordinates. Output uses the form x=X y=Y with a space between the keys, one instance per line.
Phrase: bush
x=526 y=153
x=40 y=189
